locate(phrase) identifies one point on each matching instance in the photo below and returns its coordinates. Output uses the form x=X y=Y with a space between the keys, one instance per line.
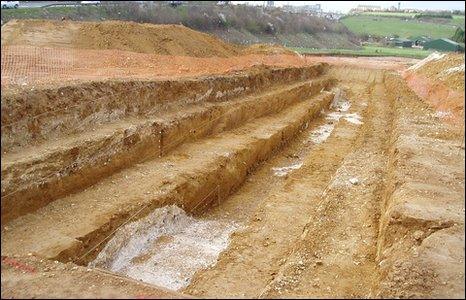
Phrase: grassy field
x=388 y=26
x=370 y=51
x=458 y=20
x=389 y=14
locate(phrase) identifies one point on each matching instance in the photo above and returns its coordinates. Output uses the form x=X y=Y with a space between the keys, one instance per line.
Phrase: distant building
x=362 y=8
x=269 y=3
x=312 y=8
x=332 y=16
x=400 y=42
x=420 y=40
x=444 y=45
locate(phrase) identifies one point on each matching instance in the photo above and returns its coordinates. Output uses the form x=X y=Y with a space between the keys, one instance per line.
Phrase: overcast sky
x=345 y=6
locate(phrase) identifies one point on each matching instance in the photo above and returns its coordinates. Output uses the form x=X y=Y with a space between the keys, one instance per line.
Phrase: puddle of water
x=280 y=172
x=165 y=248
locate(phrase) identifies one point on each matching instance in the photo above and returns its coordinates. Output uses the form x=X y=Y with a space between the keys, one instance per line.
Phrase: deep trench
x=159 y=232
x=147 y=232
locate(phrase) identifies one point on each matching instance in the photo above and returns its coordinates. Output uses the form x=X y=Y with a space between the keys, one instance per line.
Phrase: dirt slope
x=448 y=68
x=148 y=38
x=129 y=36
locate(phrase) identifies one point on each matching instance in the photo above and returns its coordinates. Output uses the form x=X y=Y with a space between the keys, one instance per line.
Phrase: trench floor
x=275 y=210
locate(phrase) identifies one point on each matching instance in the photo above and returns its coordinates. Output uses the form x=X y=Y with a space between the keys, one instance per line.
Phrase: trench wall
x=37 y=115
x=420 y=247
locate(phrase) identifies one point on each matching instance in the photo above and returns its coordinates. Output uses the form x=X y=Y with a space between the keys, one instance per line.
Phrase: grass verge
x=370 y=51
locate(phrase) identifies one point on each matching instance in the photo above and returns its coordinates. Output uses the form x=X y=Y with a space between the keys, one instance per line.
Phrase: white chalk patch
x=285 y=170
x=321 y=133
x=442 y=114
x=343 y=106
x=457 y=69
x=334 y=116
x=353 y=118
x=431 y=57
x=339 y=104
x=354 y=181
x=165 y=248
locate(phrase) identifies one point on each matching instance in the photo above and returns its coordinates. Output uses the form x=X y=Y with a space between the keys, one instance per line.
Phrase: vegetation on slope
x=234 y=23
x=459 y=35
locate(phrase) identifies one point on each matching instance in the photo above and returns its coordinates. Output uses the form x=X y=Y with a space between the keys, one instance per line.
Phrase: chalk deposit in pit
x=339 y=107
x=322 y=133
x=165 y=248
x=283 y=171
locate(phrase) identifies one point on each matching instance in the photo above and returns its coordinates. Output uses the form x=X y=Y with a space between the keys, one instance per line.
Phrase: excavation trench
x=179 y=245
x=168 y=247
x=173 y=209
x=236 y=154
x=240 y=133
x=285 y=188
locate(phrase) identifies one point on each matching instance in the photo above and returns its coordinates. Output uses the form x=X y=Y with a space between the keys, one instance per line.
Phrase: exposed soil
x=39 y=53
x=128 y=36
x=297 y=177
x=32 y=277
x=439 y=79
x=449 y=69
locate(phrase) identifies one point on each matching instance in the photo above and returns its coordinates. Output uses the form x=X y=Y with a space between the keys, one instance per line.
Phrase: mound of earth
x=129 y=36
x=148 y=38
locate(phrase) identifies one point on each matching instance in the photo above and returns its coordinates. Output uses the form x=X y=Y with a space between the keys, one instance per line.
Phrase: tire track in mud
x=274 y=210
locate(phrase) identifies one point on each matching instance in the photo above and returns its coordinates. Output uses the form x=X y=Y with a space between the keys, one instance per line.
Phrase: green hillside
x=377 y=25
